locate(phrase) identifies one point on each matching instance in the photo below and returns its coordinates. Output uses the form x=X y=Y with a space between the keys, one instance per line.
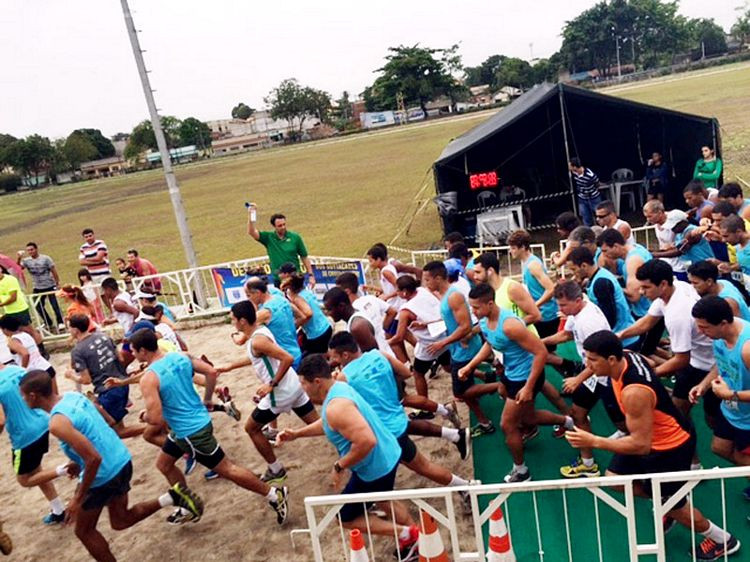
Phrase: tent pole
x=567 y=150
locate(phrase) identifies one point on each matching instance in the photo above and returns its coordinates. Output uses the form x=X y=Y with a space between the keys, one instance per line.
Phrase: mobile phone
x=253 y=213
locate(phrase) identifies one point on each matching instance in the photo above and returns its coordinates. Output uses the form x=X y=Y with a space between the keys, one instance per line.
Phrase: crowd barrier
x=324 y=523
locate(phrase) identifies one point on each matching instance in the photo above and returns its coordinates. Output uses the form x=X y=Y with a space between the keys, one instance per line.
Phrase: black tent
x=522 y=152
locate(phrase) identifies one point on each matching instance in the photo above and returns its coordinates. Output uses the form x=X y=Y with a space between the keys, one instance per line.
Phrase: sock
x=569 y=424
x=522 y=468
x=404 y=534
x=588 y=463
x=62 y=470
x=457 y=481
x=165 y=500
x=442 y=410
x=716 y=534
x=275 y=466
x=271 y=495
x=57 y=506
x=450 y=434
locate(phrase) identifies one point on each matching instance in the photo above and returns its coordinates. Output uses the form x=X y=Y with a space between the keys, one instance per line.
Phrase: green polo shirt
x=282 y=250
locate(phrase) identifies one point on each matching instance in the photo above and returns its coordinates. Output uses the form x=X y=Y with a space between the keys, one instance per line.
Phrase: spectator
x=126 y=273
x=565 y=223
x=144 y=268
x=696 y=197
x=94 y=256
x=708 y=168
x=281 y=244
x=44 y=279
x=725 y=253
x=606 y=217
x=91 y=292
x=657 y=177
x=14 y=304
x=77 y=304
x=587 y=190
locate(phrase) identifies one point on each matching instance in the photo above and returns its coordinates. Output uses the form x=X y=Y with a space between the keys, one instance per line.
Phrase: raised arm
x=251 y=230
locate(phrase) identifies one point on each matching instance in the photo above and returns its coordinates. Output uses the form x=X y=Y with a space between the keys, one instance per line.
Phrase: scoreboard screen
x=485 y=179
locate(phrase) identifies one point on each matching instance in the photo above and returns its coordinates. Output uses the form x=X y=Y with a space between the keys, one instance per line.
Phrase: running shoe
x=232 y=411
x=481 y=429
x=407 y=548
x=453 y=414
x=710 y=550
x=530 y=434
x=463 y=444
x=280 y=505
x=184 y=497
x=517 y=476
x=433 y=370
x=421 y=415
x=577 y=469
x=190 y=464
x=210 y=475
x=270 y=433
x=558 y=431
x=274 y=478
x=52 y=519
x=6 y=544
x=180 y=516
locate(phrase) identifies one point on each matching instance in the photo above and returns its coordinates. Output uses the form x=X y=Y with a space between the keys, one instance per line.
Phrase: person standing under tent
x=586 y=184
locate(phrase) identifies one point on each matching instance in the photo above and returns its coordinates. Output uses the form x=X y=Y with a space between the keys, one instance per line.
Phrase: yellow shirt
x=8 y=284
x=502 y=300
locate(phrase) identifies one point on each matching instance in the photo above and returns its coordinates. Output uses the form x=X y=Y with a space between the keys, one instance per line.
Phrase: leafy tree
x=142 y=138
x=5 y=141
x=741 y=28
x=294 y=103
x=318 y=103
x=484 y=73
x=514 y=72
x=77 y=148
x=242 y=111
x=192 y=131
x=31 y=156
x=104 y=146
x=342 y=114
x=707 y=37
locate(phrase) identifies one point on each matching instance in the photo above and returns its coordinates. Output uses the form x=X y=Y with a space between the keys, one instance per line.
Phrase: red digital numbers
x=478 y=181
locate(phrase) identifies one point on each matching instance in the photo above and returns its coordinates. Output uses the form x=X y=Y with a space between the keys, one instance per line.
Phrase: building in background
x=103 y=168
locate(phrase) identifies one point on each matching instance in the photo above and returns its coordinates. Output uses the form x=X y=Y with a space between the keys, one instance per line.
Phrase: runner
x=25 y=351
x=366 y=448
x=280 y=391
x=124 y=308
x=103 y=464
x=155 y=315
x=696 y=198
x=659 y=439
x=734 y=232
x=339 y=306
x=607 y=218
x=28 y=431
x=524 y=356
x=170 y=397
x=704 y=277
x=377 y=311
x=312 y=319
x=378 y=258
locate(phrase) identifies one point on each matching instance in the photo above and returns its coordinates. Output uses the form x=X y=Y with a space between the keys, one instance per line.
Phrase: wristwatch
x=735 y=399
x=337 y=467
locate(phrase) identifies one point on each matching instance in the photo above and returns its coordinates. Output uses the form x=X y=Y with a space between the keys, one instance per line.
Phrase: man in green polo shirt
x=281 y=244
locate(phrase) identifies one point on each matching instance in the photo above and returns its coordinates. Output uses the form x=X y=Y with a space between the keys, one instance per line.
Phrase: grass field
x=342 y=195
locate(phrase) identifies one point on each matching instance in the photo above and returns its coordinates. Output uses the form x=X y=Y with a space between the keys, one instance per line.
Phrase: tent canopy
x=521 y=153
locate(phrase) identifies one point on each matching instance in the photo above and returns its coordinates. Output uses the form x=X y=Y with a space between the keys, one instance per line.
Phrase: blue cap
x=140 y=325
x=453 y=266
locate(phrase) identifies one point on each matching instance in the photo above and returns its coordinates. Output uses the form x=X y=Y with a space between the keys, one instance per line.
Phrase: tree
x=77 y=148
x=104 y=146
x=318 y=103
x=294 y=103
x=741 y=28
x=242 y=111
x=5 y=141
x=485 y=73
x=192 y=131
x=31 y=156
x=708 y=37
x=342 y=114
x=142 y=138
x=514 y=72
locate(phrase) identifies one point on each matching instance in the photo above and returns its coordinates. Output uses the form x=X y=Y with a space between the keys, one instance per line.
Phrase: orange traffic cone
x=357 y=551
x=500 y=548
x=430 y=544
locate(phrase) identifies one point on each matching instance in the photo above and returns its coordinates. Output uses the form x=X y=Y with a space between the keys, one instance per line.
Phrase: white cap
x=144 y=295
x=673 y=217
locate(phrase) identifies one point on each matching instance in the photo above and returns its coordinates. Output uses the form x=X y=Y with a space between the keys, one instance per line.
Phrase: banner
x=326 y=273
x=229 y=283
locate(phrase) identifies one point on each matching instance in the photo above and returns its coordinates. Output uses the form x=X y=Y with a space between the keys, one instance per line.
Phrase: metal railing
x=324 y=521
x=511 y=267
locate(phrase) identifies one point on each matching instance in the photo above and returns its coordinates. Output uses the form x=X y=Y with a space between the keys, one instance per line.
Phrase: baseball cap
x=140 y=325
x=673 y=217
x=453 y=266
x=140 y=294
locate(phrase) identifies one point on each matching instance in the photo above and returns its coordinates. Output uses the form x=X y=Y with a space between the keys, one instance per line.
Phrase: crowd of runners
x=656 y=332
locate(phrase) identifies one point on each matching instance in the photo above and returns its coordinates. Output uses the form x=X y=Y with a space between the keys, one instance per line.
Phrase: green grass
x=342 y=195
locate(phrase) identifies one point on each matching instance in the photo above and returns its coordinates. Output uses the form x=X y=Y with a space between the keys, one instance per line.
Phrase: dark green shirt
x=282 y=250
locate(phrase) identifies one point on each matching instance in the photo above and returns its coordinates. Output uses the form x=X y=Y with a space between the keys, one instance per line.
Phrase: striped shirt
x=96 y=250
x=586 y=184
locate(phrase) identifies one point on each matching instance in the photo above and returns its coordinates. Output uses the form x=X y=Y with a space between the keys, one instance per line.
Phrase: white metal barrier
x=644 y=235
x=512 y=267
x=624 y=504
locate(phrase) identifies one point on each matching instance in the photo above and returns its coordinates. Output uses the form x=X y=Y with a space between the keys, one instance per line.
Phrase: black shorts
x=201 y=445
x=685 y=379
x=671 y=460
x=119 y=485
x=350 y=511
x=711 y=405
x=115 y=402
x=460 y=386
x=512 y=387
x=422 y=366
x=650 y=340
x=51 y=372
x=317 y=345
x=29 y=458
x=264 y=417
x=23 y=317
x=408 y=448
x=723 y=429
x=586 y=399
x=546 y=328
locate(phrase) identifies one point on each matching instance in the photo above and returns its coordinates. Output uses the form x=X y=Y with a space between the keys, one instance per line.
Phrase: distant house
x=506 y=94
x=480 y=95
x=230 y=145
x=221 y=128
x=103 y=168
x=178 y=155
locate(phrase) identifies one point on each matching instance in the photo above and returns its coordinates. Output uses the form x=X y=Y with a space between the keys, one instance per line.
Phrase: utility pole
x=617 y=48
x=174 y=188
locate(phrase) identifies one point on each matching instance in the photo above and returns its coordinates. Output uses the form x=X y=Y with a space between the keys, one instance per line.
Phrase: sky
x=68 y=65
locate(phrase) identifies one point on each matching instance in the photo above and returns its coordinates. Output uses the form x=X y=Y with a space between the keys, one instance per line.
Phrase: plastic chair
x=629 y=192
x=622 y=174
x=486 y=198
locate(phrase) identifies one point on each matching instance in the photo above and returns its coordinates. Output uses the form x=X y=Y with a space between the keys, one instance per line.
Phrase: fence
x=465 y=547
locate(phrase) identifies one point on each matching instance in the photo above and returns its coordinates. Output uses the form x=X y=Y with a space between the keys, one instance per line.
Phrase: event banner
x=326 y=273
x=229 y=283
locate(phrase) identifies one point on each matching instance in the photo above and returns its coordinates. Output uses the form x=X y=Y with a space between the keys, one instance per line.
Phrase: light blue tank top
x=87 y=420
x=282 y=326
x=697 y=252
x=624 y=317
x=182 y=408
x=24 y=424
x=730 y=291
x=371 y=375
x=386 y=453
x=737 y=376
x=516 y=360
x=549 y=308
x=639 y=308
x=743 y=258
x=457 y=350
x=318 y=324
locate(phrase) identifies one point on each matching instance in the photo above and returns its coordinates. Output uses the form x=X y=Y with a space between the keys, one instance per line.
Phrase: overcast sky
x=68 y=65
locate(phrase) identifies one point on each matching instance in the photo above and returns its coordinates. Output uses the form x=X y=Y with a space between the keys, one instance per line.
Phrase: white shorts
x=284 y=404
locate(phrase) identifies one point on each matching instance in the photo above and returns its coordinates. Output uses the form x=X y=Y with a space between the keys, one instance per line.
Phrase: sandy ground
x=237 y=524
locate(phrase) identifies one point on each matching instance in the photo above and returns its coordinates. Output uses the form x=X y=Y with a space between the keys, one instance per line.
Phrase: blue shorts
x=350 y=511
x=115 y=402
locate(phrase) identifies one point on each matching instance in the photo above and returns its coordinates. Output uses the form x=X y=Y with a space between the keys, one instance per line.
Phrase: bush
x=10 y=182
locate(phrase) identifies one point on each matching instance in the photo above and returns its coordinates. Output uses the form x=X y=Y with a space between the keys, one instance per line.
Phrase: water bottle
x=253 y=213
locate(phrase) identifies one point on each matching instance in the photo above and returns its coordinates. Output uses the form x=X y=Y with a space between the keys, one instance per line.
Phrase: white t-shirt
x=5 y=355
x=167 y=333
x=36 y=361
x=374 y=309
x=389 y=288
x=665 y=236
x=288 y=394
x=379 y=334
x=631 y=239
x=588 y=321
x=426 y=307
x=683 y=332
x=124 y=319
